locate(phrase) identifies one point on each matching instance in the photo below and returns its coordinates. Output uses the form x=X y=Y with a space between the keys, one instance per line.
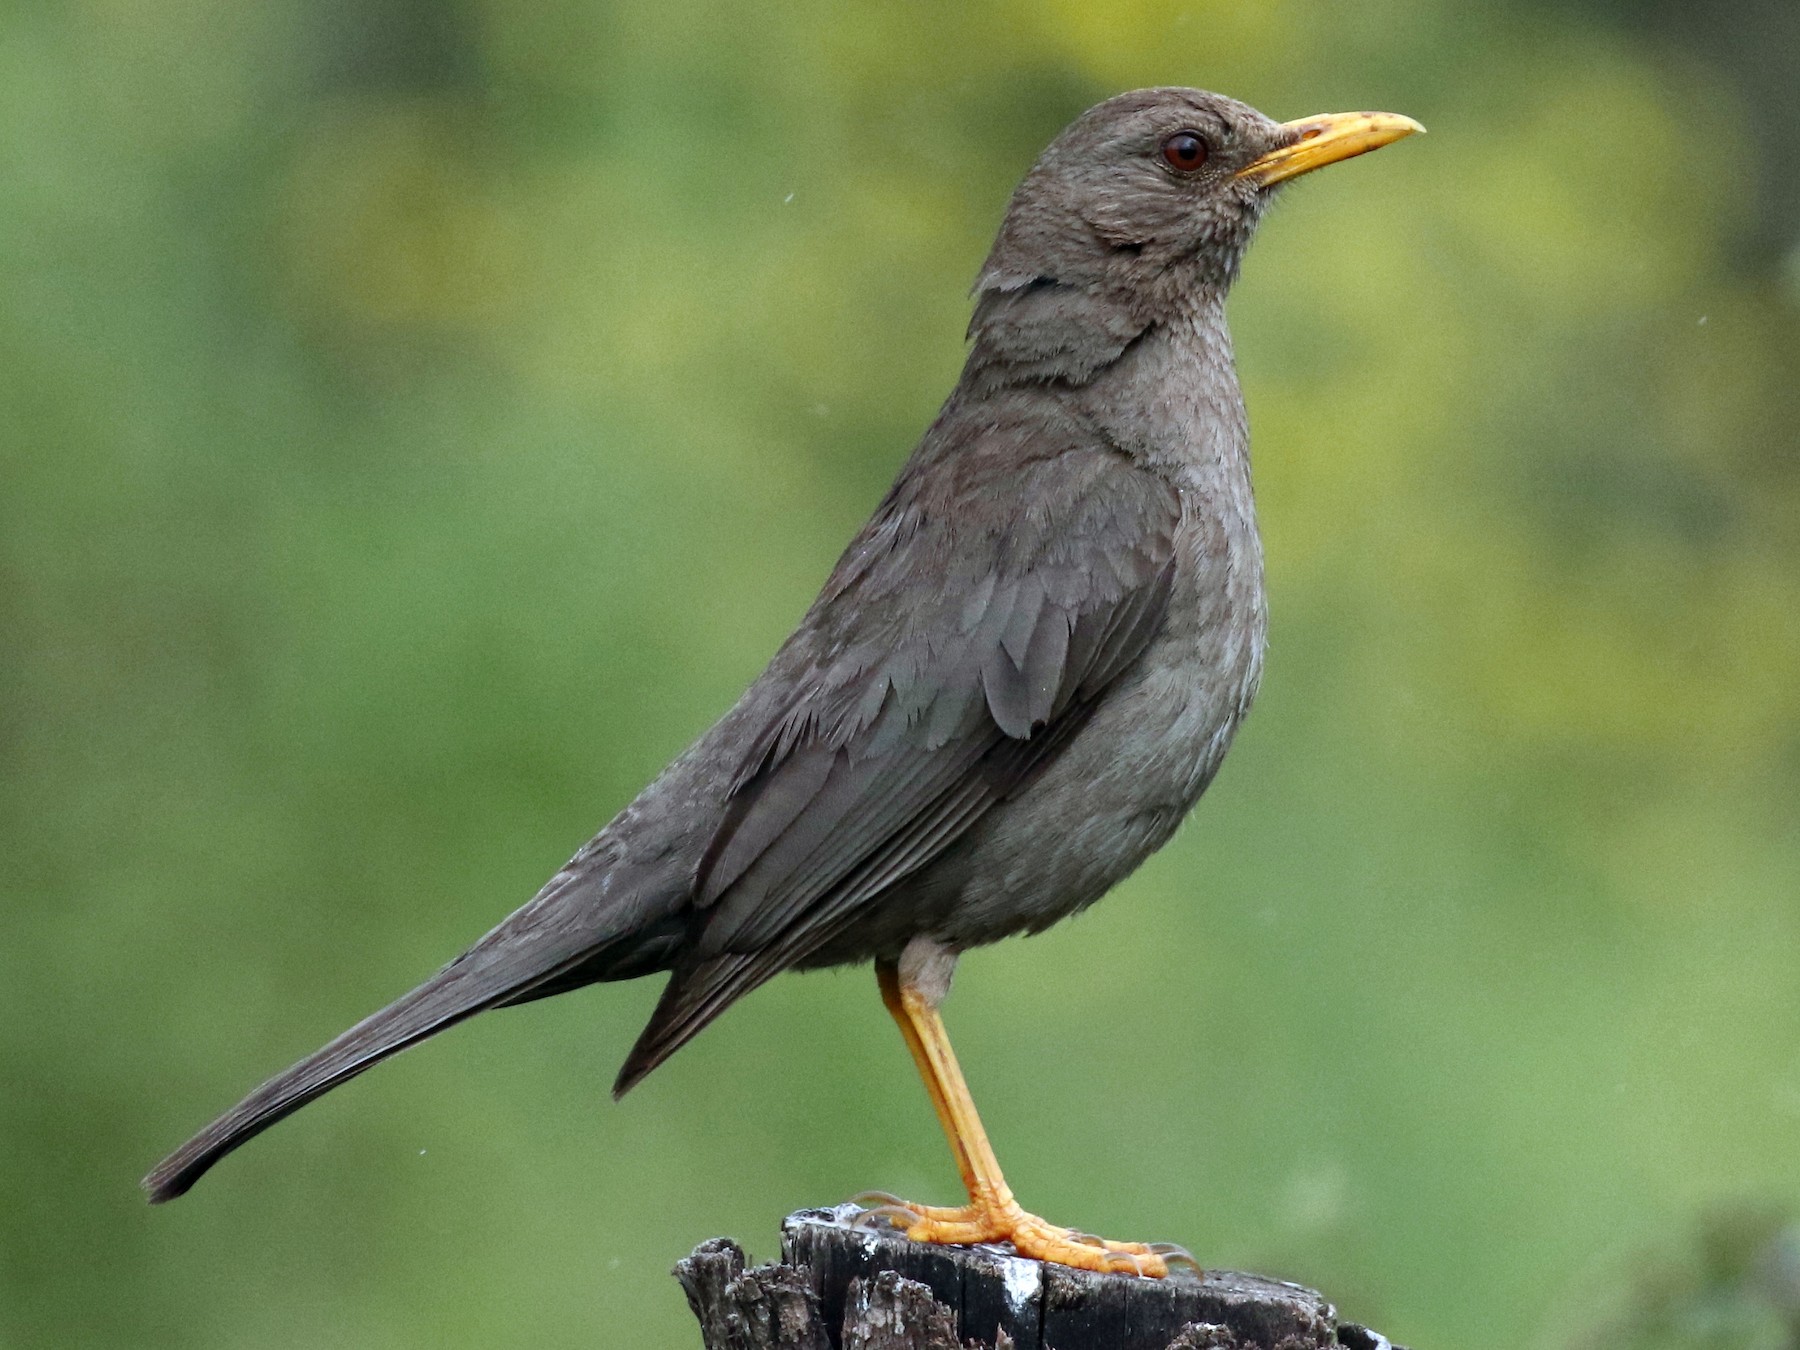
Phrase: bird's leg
x=887 y=974
x=912 y=989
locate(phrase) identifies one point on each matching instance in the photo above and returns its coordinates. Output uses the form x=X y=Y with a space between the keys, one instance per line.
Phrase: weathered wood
x=760 y=1309
x=842 y=1287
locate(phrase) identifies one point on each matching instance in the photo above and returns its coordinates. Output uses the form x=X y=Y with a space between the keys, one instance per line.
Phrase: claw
x=1175 y=1255
x=871 y=1199
x=897 y=1216
x=1125 y=1261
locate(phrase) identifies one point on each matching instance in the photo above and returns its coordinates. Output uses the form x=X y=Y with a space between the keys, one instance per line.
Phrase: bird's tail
x=507 y=963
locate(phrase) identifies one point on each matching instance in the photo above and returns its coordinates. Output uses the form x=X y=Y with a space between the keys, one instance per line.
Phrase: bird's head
x=1153 y=195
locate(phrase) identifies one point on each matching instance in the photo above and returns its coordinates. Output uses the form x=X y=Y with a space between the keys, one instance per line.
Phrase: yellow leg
x=992 y=1214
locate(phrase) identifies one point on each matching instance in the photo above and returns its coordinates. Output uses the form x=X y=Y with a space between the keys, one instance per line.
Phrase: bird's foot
x=1002 y=1219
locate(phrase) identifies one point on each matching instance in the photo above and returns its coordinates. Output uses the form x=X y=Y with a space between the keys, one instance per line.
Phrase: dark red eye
x=1185 y=151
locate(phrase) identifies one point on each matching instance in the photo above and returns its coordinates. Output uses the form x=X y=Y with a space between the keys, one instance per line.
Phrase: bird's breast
x=1128 y=779
x=1177 y=409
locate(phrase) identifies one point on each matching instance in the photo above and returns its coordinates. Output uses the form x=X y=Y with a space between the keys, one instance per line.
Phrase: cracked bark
x=842 y=1288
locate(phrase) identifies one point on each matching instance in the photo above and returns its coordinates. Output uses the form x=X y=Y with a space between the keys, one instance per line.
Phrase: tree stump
x=841 y=1287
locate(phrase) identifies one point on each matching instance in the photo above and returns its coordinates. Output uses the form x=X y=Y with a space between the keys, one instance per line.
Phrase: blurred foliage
x=419 y=419
x=1736 y=1286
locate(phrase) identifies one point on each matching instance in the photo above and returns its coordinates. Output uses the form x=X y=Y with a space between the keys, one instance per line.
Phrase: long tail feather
x=510 y=961
x=367 y=1043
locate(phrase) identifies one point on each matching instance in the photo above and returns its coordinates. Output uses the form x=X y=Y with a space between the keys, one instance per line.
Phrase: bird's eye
x=1185 y=151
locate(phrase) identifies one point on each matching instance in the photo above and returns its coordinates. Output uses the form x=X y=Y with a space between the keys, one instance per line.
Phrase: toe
x=1046 y=1242
x=881 y=1207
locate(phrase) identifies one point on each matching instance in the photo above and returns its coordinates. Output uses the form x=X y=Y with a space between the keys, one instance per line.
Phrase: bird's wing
x=965 y=637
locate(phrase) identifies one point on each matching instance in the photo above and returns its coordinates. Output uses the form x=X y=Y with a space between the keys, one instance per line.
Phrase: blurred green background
x=418 y=420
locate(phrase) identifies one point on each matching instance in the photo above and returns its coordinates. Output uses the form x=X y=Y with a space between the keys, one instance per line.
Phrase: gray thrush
x=1015 y=684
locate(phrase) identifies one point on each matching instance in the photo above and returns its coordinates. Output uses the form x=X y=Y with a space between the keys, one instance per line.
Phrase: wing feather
x=948 y=664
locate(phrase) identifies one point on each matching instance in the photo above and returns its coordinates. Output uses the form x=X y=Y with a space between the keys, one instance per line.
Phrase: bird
x=1015 y=684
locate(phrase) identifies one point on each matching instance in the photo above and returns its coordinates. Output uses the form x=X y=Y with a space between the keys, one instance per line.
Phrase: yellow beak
x=1325 y=140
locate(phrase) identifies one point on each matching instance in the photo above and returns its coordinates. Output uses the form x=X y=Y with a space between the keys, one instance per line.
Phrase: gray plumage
x=1016 y=682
